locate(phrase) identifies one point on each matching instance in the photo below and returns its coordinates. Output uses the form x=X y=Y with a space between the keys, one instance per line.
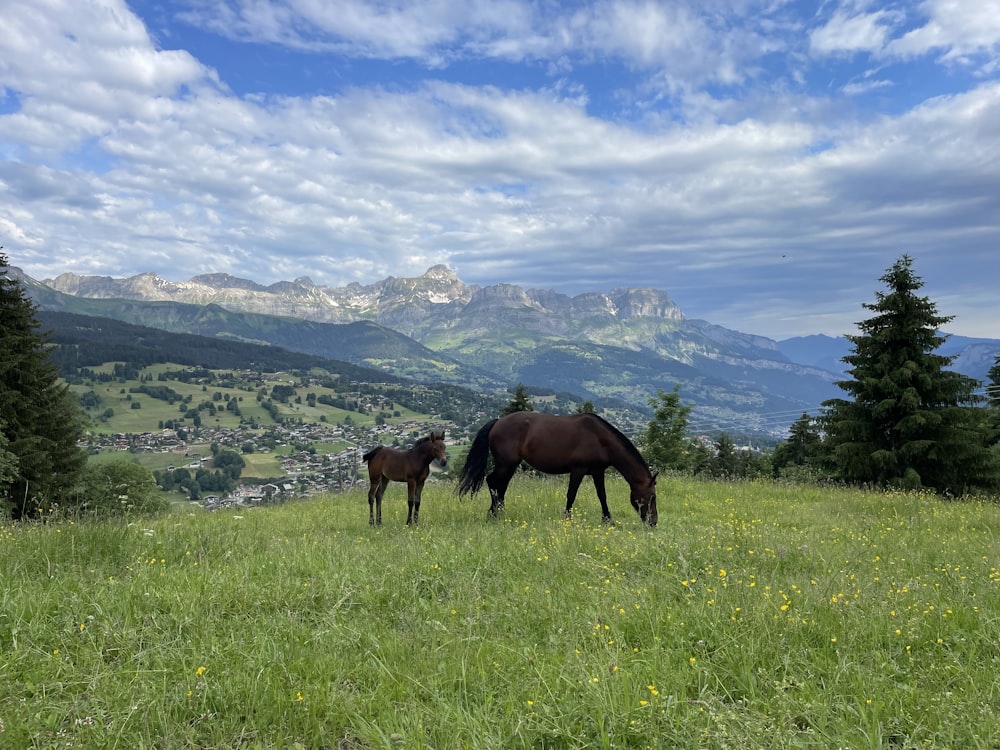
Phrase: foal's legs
x=417 y=494
x=412 y=501
x=375 y=492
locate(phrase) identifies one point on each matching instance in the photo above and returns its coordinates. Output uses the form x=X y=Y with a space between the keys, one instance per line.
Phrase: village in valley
x=306 y=470
x=296 y=434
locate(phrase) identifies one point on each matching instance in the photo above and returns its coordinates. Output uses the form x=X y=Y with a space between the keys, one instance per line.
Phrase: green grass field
x=151 y=412
x=753 y=616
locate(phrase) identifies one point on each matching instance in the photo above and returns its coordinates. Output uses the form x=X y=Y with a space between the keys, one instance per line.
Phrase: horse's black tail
x=474 y=471
x=371 y=454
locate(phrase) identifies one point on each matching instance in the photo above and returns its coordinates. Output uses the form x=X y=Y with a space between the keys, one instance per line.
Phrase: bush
x=118 y=488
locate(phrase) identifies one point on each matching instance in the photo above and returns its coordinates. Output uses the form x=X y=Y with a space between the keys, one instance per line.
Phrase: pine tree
x=520 y=402
x=801 y=448
x=993 y=415
x=8 y=461
x=725 y=462
x=910 y=422
x=993 y=387
x=40 y=419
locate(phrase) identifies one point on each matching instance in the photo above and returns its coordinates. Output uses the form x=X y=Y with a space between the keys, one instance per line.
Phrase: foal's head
x=437 y=447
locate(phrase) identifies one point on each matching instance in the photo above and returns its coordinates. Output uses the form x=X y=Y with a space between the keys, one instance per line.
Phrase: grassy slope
x=752 y=616
x=152 y=411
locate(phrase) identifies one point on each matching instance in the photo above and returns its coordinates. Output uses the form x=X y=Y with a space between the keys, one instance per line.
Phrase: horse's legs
x=412 y=503
x=497 y=480
x=417 y=492
x=575 y=477
x=380 y=490
x=371 y=501
x=602 y=495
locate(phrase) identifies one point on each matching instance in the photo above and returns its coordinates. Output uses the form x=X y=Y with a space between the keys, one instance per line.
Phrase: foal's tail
x=474 y=471
x=371 y=454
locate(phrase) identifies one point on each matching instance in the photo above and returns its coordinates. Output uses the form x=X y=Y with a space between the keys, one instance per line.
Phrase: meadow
x=138 y=412
x=752 y=616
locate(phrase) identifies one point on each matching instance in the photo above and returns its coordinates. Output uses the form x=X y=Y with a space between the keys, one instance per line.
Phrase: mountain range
x=624 y=345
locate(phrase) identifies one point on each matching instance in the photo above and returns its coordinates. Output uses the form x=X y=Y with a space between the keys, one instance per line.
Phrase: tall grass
x=753 y=616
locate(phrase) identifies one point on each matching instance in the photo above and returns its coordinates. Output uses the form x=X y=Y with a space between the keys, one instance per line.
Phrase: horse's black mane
x=627 y=444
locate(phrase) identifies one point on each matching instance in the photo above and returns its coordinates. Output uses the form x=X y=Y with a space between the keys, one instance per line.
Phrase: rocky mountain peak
x=225 y=281
x=644 y=303
x=438 y=285
x=441 y=272
x=143 y=286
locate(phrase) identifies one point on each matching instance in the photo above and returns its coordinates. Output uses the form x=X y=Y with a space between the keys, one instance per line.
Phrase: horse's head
x=438 y=448
x=644 y=500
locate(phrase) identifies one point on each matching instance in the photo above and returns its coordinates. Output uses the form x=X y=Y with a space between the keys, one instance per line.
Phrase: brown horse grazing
x=412 y=466
x=577 y=445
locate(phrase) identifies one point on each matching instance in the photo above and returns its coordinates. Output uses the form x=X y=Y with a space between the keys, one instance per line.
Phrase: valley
x=299 y=433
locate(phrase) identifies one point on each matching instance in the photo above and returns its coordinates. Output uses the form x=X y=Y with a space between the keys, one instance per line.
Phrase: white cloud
x=425 y=31
x=958 y=29
x=844 y=33
x=865 y=85
x=77 y=66
x=692 y=39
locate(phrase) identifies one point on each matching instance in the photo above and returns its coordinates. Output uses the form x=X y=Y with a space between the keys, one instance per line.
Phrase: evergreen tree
x=40 y=419
x=8 y=461
x=725 y=462
x=666 y=443
x=993 y=415
x=802 y=447
x=993 y=387
x=910 y=422
x=520 y=402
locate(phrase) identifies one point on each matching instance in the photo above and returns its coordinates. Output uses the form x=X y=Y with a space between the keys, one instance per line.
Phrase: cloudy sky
x=762 y=161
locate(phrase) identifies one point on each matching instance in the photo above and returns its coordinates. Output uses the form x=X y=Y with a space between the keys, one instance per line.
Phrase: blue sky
x=763 y=162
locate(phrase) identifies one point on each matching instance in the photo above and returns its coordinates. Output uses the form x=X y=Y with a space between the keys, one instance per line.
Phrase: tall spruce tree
x=993 y=386
x=520 y=402
x=993 y=416
x=910 y=422
x=39 y=417
x=803 y=445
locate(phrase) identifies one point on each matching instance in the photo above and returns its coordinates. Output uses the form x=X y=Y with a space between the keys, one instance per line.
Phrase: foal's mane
x=427 y=439
x=625 y=443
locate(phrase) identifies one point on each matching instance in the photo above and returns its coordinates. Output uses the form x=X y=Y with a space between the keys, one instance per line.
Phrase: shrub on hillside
x=118 y=488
